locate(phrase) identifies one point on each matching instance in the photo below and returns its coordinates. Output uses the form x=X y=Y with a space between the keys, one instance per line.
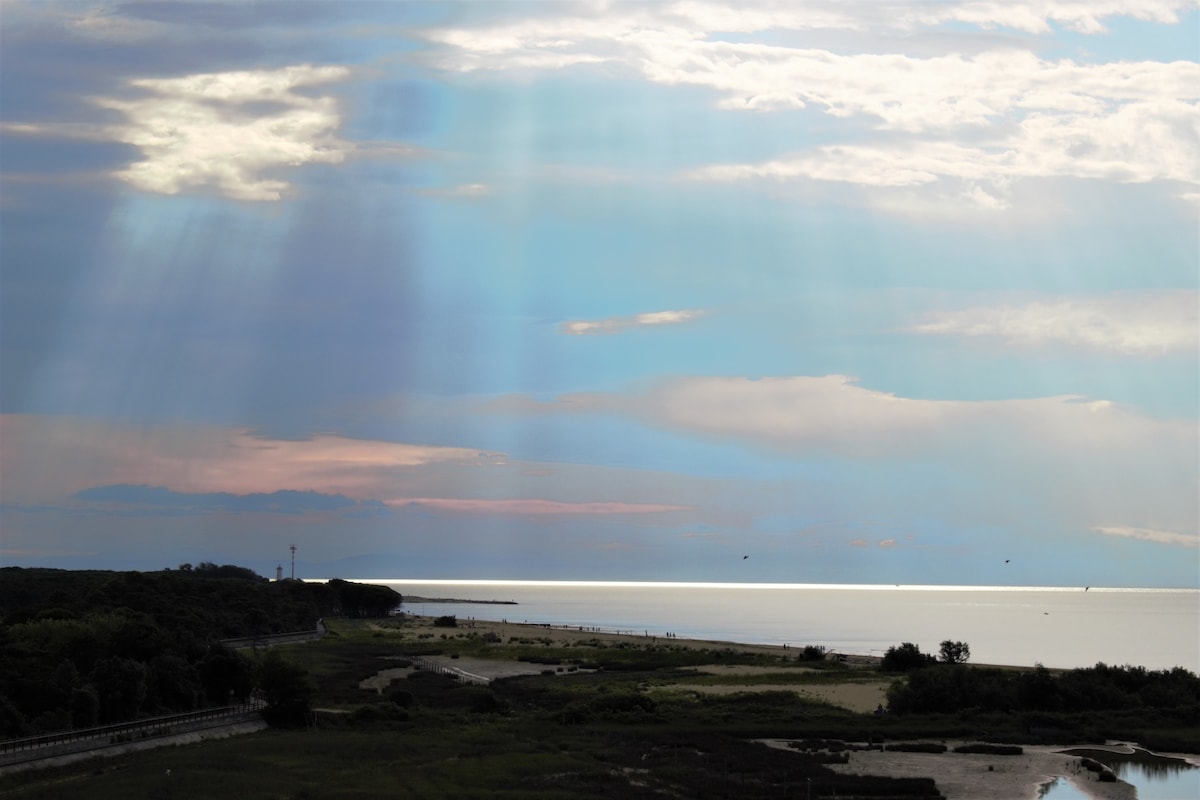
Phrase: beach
x=958 y=776
x=1061 y=628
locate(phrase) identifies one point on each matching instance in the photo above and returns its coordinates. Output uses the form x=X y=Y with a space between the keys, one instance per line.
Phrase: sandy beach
x=958 y=776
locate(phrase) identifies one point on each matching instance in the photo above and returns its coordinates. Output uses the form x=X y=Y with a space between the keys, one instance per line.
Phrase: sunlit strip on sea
x=1060 y=627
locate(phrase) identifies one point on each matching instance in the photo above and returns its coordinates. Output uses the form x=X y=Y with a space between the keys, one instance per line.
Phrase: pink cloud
x=47 y=457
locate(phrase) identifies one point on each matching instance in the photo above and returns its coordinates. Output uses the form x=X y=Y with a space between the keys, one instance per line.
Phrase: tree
x=225 y=675
x=955 y=652
x=85 y=707
x=120 y=683
x=904 y=657
x=286 y=688
x=361 y=599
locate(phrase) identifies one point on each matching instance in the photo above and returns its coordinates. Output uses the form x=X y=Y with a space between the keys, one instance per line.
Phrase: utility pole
x=293 y=549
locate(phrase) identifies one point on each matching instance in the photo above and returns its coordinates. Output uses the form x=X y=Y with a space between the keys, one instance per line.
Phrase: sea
x=1057 y=627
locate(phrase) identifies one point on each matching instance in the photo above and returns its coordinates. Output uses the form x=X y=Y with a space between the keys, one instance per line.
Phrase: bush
x=378 y=713
x=448 y=621
x=905 y=657
x=991 y=749
x=812 y=652
x=916 y=747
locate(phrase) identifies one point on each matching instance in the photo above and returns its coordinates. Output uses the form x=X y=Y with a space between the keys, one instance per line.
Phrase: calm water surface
x=1056 y=627
x=1156 y=778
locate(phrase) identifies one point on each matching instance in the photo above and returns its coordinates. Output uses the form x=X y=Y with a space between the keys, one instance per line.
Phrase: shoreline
x=570 y=634
x=457 y=601
x=574 y=633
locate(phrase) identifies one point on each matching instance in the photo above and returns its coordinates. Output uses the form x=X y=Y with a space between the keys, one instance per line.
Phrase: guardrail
x=268 y=640
x=31 y=747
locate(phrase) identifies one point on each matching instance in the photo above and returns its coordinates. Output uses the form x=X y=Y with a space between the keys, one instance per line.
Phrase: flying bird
x=745 y=557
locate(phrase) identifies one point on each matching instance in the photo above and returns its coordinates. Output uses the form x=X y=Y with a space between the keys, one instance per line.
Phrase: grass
x=574 y=735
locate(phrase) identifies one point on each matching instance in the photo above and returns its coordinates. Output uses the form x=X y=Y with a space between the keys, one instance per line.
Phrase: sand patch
x=962 y=776
x=383 y=679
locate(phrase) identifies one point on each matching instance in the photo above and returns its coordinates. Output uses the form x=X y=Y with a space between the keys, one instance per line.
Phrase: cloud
x=1037 y=17
x=1129 y=142
x=227 y=129
x=465 y=191
x=43 y=458
x=989 y=118
x=102 y=23
x=1068 y=460
x=1149 y=535
x=1129 y=323
x=885 y=544
x=278 y=502
x=532 y=506
x=224 y=130
x=834 y=415
x=622 y=324
x=701 y=535
x=613 y=32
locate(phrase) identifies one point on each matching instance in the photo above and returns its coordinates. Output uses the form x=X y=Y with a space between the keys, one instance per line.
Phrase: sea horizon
x=762 y=585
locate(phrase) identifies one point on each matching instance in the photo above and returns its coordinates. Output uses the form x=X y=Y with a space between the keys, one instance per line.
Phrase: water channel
x=1156 y=777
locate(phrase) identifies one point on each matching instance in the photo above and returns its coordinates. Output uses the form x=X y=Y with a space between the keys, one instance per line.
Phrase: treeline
x=82 y=648
x=950 y=688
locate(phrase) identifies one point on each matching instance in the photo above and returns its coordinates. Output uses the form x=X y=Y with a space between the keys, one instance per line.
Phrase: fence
x=269 y=640
x=44 y=745
x=461 y=675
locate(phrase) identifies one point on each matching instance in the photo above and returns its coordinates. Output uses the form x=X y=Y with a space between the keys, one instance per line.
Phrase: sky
x=795 y=292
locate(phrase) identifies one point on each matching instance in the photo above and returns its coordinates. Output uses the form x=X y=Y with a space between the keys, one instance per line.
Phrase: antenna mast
x=293 y=549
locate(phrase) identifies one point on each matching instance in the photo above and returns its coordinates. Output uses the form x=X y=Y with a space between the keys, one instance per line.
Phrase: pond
x=1156 y=777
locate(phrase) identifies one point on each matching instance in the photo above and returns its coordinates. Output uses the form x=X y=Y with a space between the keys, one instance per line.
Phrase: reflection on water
x=1062 y=789
x=1156 y=777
